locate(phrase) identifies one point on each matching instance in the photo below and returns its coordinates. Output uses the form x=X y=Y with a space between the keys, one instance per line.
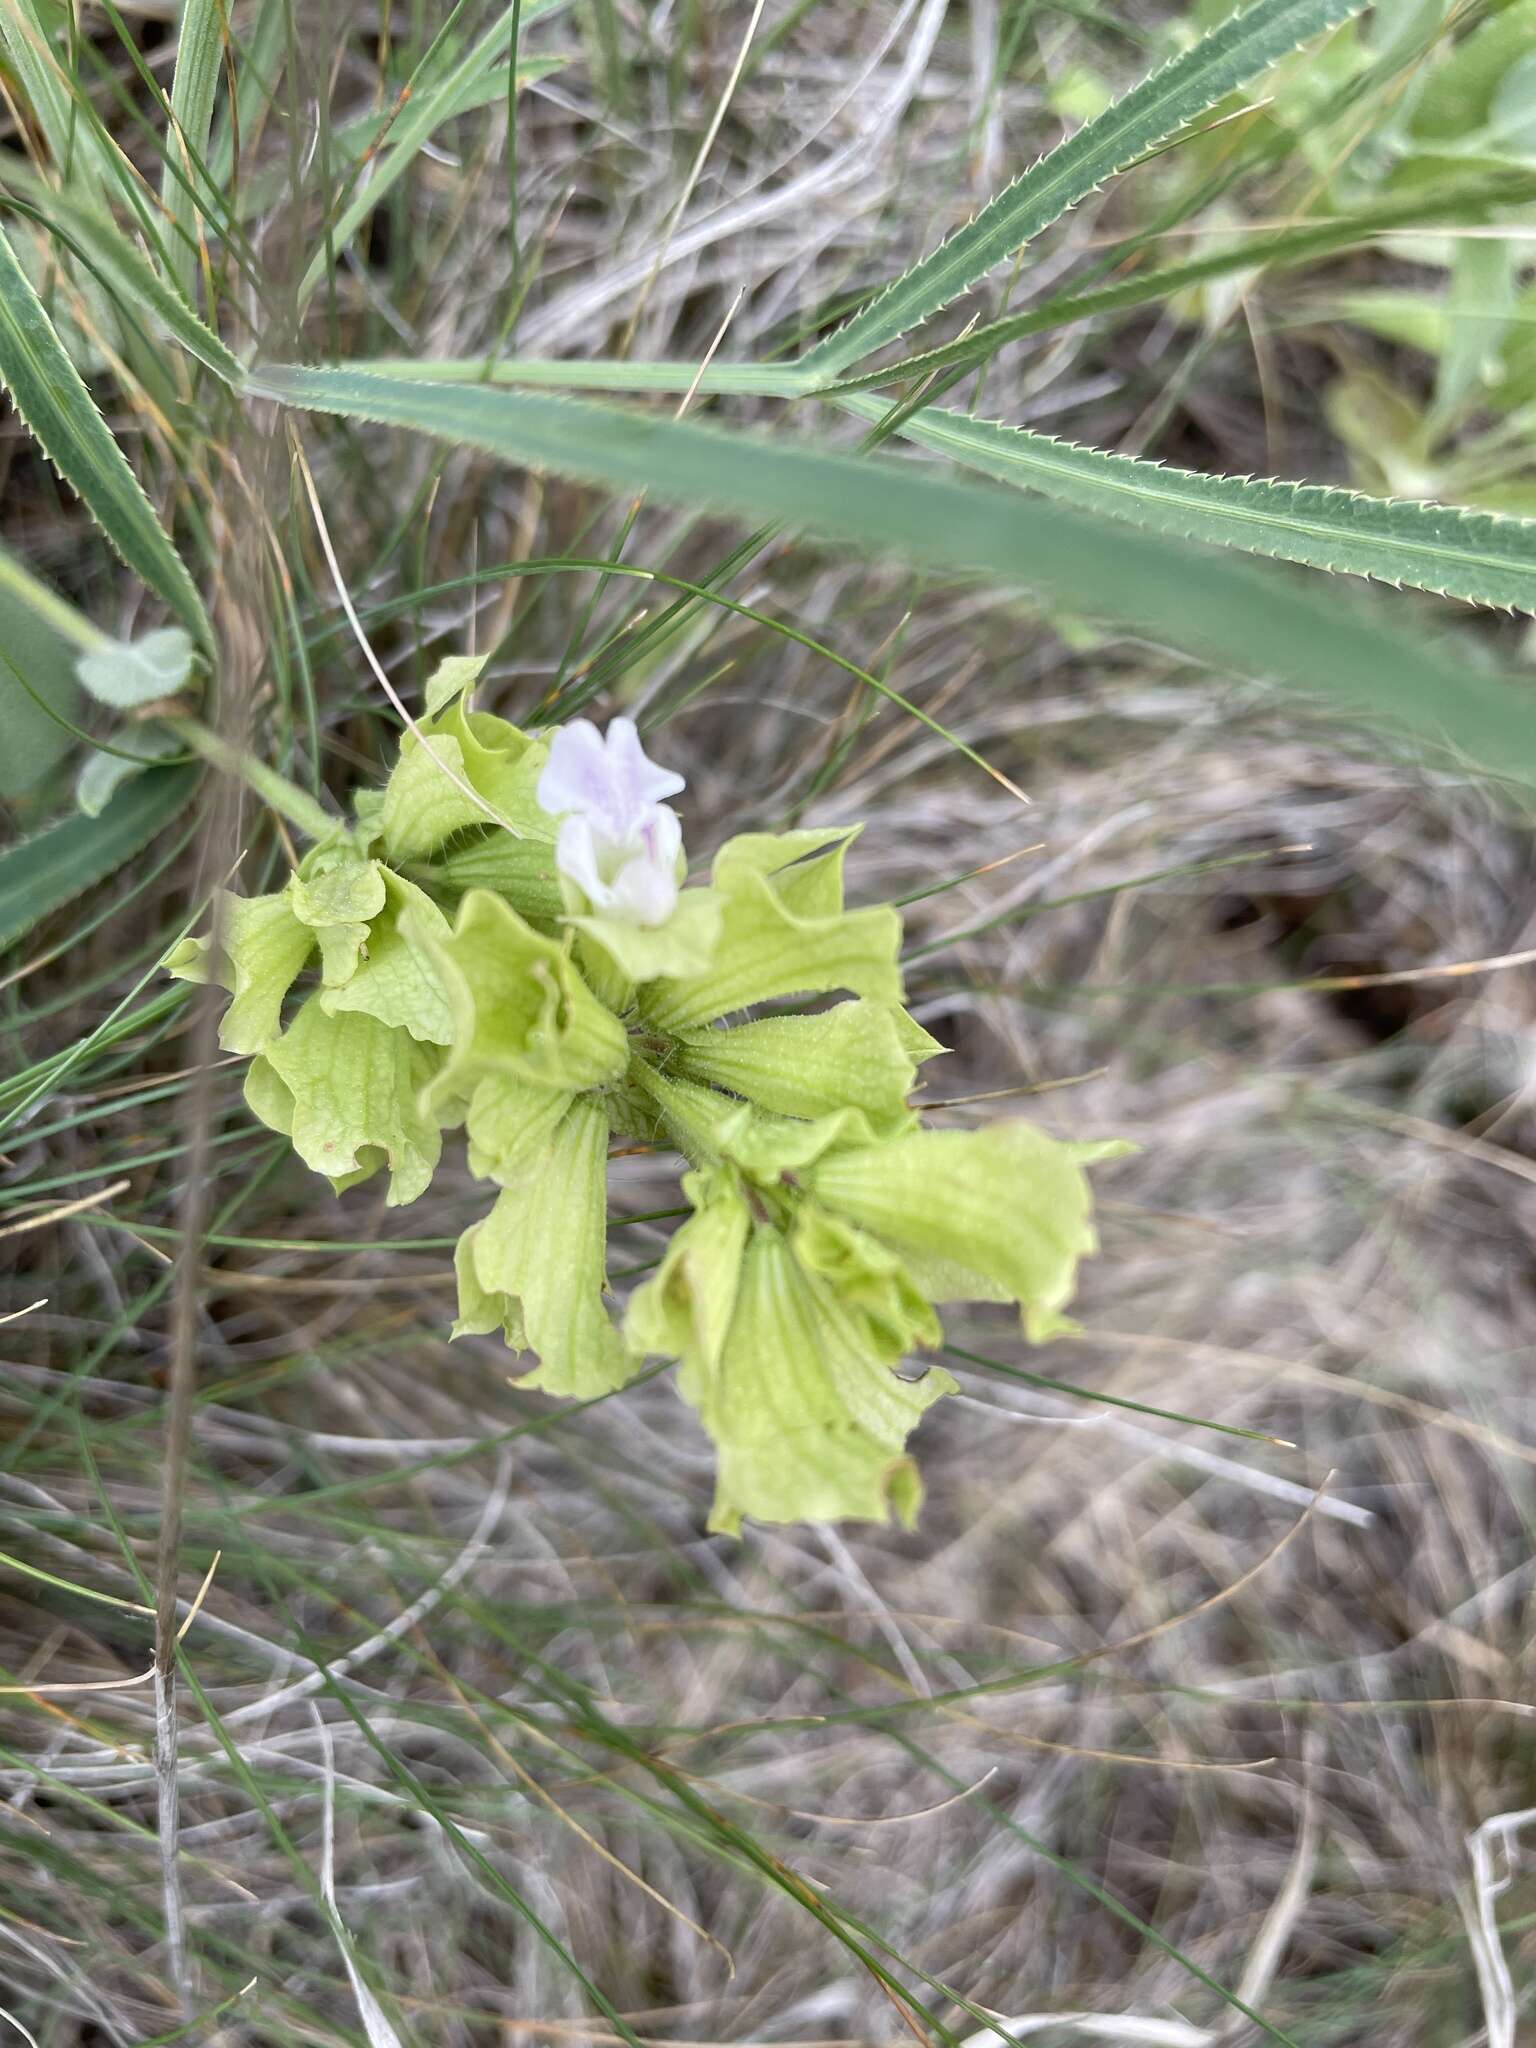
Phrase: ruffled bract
x=501 y=945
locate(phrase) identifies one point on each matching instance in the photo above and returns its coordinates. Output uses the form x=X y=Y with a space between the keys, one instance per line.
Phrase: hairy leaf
x=134 y=749
x=39 y=691
x=127 y=673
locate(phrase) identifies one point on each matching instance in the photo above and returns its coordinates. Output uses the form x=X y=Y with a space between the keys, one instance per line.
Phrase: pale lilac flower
x=617 y=842
x=605 y=778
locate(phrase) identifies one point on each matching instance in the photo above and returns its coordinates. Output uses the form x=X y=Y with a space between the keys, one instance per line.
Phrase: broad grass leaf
x=40 y=875
x=1250 y=619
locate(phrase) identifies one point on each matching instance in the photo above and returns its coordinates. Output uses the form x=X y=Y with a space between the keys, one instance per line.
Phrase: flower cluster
x=502 y=944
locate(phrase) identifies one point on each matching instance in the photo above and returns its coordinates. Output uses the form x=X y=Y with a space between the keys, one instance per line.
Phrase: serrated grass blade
x=84 y=153
x=1244 y=45
x=1238 y=616
x=1303 y=243
x=1480 y=557
x=121 y=269
x=42 y=79
x=52 y=400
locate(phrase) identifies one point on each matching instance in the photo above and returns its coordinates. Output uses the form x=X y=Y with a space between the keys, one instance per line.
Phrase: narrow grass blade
x=1307 y=242
x=53 y=402
x=41 y=874
x=497 y=1885
x=1244 y=45
x=257 y=48
x=134 y=284
x=1240 y=617
x=1103 y=1897
x=42 y=80
x=1481 y=557
x=353 y=141
x=1055 y=1386
x=199 y=50
x=85 y=155
x=425 y=110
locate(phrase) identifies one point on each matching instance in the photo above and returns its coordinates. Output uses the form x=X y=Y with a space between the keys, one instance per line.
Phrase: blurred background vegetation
x=1199 y=1707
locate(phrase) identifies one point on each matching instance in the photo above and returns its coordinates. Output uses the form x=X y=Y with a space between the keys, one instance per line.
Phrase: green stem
x=52 y=609
x=689 y=1113
x=283 y=796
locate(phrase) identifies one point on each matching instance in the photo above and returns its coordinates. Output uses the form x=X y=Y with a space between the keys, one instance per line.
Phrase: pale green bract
x=441 y=965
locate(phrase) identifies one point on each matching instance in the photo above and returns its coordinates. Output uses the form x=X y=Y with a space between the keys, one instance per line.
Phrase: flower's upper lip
x=606 y=779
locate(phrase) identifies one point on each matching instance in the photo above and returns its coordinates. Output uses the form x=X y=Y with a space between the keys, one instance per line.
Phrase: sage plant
x=503 y=942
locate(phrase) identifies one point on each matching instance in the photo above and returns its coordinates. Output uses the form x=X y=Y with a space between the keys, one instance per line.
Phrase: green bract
x=460 y=958
x=784 y=932
x=534 y=1268
x=347 y=1090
